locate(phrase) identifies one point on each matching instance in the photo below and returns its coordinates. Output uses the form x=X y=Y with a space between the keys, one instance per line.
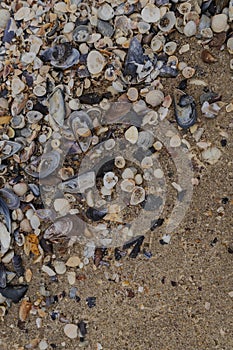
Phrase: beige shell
x=184 y=8
x=119 y=162
x=230 y=45
x=131 y=134
x=188 y=72
x=219 y=23
x=150 y=13
x=95 y=62
x=157 y=43
x=127 y=185
x=154 y=98
x=170 y=48
x=24 y=310
x=138 y=195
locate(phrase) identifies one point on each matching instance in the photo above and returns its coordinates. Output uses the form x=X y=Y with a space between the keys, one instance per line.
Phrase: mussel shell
x=15 y=147
x=4 y=210
x=168 y=72
x=49 y=163
x=61 y=56
x=3 y=278
x=9 y=32
x=185 y=109
x=95 y=214
x=134 y=57
x=17 y=263
x=14 y=292
x=10 y=198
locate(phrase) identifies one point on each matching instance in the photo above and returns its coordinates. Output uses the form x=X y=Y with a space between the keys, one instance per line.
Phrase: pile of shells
x=64 y=146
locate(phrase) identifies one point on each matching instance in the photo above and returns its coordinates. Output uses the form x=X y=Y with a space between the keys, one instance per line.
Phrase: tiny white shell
x=110 y=180
x=95 y=62
x=138 y=195
x=150 y=13
x=131 y=134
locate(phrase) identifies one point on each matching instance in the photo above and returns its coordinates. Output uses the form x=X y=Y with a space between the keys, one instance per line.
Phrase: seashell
x=230 y=13
x=207 y=57
x=4 y=210
x=135 y=57
x=5 y=239
x=60 y=229
x=185 y=109
x=17 y=263
x=110 y=180
x=138 y=195
x=34 y=116
x=10 y=198
x=167 y=22
x=79 y=184
x=127 y=185
x=20 y=188
x=15 y=293
x=81 y=34
x=219 y=23
x=150 y=13
x=230 y=45
x=8 y=148
x=17 y=86
x=168 y=72
x=105 y=28
x=175 y=141
x=119 y=162
x=170 y=48
x=211 y=155
x=49 y=163
x=24 y=310
x=95 y=62
x=210 y=110
x=71 y=330
x=10 y=31
x=131 y=134
x=61 y=56
x=105 y=12
x=143 y=27
x=3 y=279
x=231 y=64
x=62 y=206
x=57 y=109
x=81 y=125
x=190 y=29
x=132 y=94
x=154 y=98
x=39 y=90
x=145 y=139
x=188 y=72
x=19 y=238
x=4 y=18
x=157 y=43
x=95 y=214
x=184 y=8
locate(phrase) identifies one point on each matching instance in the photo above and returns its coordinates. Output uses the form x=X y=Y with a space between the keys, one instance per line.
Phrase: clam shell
x=138 y=195
x=14 y=292
x=105 y=12
x=57 y=108
x=150 y=13
x=95 y=62
x=145 y=139
x=219 y=23
x=3 y=279
x=60 y=229
x=190 y=29
x=81 y=125
x=81 y=34
x=170 y=48
x=154 y=97
x=110 y=180
x=8 y=148
x=167 y=22
x=185 y=109
x=79 y=184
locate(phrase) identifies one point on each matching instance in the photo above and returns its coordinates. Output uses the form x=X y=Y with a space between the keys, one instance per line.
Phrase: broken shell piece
x=95 y=62
x=210 y=110
x=49 y=163
x=147 y=163
x=131 y=134
x=17 y=86
x=190 y=29
x=211 y=155
x=175 y=141
x=207 y=57
x=150 y=13
x=8 y=148
x=110 y=180
x=24 y=310
x=79 y=184
x=138 y=195
x=62 y=206
x=81 y=34
x=5 y=239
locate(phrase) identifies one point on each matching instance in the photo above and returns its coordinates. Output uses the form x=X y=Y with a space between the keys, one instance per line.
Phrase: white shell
x=190 y=29
x=62 y=206
x=4 y=18
x=219 y=23
x=184 y=8
x=167 y=22
x=95 y=62
x=211 y=155
x=150 y=13
x=157 y=43
x=131 y=134
x=155 y=97
x=105 y=12
x=138 y=195
x=39 y=90
x=5 y=239
x=175 y=141
x=59 y=267
x=71 y=330
x=110 y=180
x=188 y=72
x=17 y=86
x=147 y=163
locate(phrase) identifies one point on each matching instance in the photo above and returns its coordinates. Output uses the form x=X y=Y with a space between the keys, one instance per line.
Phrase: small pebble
x=73 y=261
x=71 y=330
